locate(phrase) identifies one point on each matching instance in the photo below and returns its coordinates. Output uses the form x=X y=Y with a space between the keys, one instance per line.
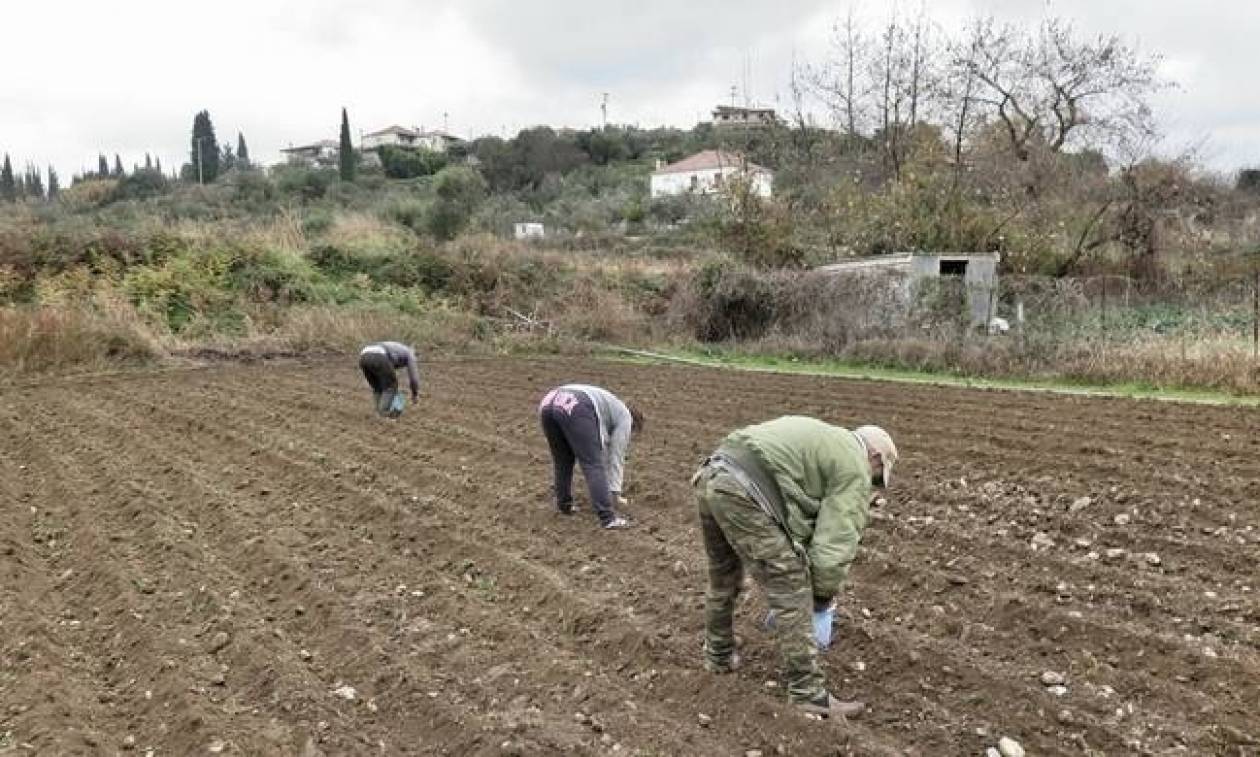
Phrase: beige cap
x=877 y=439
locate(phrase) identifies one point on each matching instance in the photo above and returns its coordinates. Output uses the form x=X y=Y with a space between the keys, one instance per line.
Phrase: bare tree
x=841 y=82
x=1049 y=87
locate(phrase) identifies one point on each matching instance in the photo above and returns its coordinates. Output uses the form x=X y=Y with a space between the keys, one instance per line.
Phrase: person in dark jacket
x=379 y=361
x=592 y=426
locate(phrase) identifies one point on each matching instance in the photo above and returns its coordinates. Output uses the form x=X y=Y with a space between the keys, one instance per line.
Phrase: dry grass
x=367 y=233
x=51 y=338
x=1223 y=365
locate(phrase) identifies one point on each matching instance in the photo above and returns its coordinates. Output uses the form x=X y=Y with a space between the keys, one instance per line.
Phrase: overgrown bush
x=407 y=163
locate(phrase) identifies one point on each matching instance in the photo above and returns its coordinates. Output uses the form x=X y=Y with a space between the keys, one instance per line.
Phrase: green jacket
x=821 y=477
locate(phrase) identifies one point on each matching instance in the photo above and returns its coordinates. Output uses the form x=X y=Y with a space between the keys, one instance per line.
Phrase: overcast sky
x=85 y=76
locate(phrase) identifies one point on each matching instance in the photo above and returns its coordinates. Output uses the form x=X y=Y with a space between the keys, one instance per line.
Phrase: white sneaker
x=617 y=522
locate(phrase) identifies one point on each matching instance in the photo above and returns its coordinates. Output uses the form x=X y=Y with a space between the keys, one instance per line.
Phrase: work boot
x=828 y=706
x=730 y=665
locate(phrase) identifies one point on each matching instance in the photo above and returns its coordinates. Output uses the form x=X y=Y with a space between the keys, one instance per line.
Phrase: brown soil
x=199 y=560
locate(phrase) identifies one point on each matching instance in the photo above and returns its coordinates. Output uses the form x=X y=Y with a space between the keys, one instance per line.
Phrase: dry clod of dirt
x=1080 y=503
x=992 y=752
x=1122 y=519
x=1065 y=717
x=1153 y=559
x=1058 y=691
x=305 y=654
x=1008 y=747
x=1053 y=678
x=346 y=692
x=218 y=642
x=218 y=679
x=704 y=720
x=1041 y=541
x=216 y=747
x=129 y=742
x=752 y=753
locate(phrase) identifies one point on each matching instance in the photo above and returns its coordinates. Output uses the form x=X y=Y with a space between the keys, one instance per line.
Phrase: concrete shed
x=976 y=270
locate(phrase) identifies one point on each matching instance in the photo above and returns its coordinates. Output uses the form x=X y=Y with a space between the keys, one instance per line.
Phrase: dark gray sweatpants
x=379 y=372
x=572 y=431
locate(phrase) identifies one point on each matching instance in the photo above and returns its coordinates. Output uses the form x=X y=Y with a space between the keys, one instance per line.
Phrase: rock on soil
x=1053 y=678
x=1008 y=747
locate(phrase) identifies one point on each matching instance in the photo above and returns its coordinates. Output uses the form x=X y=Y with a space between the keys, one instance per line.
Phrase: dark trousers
x=572 y=431
x=379 y=372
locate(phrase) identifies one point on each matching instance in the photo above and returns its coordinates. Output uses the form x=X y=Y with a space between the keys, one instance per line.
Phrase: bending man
x=379 y=361
x=789 y=499
x=592 y=426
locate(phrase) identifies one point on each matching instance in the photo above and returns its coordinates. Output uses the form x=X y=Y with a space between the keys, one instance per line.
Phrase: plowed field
x=243 y=559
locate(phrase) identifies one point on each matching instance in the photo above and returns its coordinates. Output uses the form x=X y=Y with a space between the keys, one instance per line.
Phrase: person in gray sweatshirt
x=593 y=427
x=379 y=361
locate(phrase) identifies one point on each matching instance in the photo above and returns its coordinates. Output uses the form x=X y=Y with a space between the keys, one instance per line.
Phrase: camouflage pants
x=738 y=533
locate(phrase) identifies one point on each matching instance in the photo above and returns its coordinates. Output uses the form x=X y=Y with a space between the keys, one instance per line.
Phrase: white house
x=401 y=136
x=706 y=172
x=730 y=115
x=321 y=153
x=438 y=141
x=398 y=136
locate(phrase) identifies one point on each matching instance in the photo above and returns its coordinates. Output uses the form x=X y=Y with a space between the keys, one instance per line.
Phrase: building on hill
x=401 y=136
x=321 y=154
x=727 y=116
x=397 y=136
x=707 y=172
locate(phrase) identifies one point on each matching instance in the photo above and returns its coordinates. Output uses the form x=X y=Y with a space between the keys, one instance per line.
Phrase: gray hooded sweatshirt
x=614 y=430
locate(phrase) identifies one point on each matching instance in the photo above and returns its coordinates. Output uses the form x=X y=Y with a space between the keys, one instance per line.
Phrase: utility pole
x=734 y=89
x=603 y=110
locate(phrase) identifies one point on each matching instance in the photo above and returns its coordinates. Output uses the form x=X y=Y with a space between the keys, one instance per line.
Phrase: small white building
x=977 y=272
x=707 y=172
x=528 y=230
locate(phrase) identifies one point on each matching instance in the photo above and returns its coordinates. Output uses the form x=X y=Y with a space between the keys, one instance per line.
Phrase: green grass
x=721 y=358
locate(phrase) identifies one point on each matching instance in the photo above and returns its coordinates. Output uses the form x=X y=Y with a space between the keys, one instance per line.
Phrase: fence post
x=1104 y=306
x=1255 y=316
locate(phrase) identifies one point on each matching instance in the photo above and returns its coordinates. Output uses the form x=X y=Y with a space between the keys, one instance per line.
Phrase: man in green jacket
x=789 y=498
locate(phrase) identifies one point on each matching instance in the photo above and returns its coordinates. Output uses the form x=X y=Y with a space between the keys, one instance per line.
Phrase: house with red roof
x=708 y=172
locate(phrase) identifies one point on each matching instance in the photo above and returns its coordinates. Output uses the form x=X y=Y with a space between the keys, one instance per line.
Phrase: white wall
x=529 y=230
x=706 y=181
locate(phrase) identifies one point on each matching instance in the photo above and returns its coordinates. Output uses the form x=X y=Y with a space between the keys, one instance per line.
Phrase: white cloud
x=127 y=77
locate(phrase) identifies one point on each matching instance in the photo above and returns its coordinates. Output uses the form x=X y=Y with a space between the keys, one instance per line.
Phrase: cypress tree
x=242 y=151
x=118 y=169
x=148 y=162
x=34 y=182
x=54 y=185
x=157 y=164
x=203 y=156
x=102 y=166
x=345 y=149
x=8 y=187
